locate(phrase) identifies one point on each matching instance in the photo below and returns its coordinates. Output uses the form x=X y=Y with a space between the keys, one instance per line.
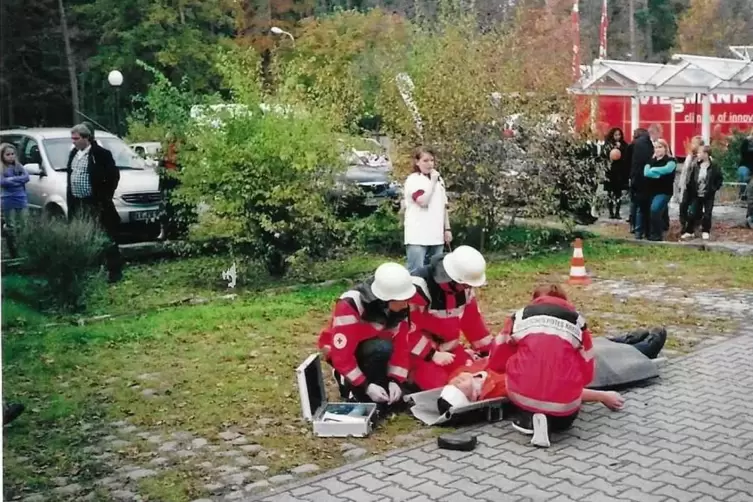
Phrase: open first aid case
x=330 y=419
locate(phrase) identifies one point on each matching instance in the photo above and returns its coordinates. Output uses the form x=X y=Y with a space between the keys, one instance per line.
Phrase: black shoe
x=11 y=411
x=631 y=338
x=523 y=422
x=654 y=342
x=342 y=385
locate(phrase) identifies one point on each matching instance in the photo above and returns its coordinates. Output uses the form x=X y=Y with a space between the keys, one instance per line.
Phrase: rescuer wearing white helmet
x=364 y=340
x=444 y=306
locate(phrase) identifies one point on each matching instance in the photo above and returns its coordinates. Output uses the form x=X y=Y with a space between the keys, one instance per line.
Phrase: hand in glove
x=377 y=393
x=443 y=358
x=395 y=392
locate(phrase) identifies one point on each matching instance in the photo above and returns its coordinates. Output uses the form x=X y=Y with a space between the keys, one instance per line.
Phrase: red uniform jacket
x=546 y=351
x=357 y=317
x=439 y=314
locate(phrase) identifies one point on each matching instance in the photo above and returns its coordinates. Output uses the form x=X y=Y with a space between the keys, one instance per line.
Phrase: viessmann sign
x=728 y=112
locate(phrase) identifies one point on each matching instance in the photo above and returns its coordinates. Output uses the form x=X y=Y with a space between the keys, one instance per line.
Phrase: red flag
x=603 y=31
x=576 y=42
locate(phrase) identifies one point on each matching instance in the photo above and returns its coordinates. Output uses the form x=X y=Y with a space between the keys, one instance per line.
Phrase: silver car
x=44 y=153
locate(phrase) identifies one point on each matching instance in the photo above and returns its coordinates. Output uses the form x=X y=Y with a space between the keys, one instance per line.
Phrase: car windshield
x=58 y=150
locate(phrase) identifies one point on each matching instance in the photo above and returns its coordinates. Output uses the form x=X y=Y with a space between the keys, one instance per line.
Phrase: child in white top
x=427 y=225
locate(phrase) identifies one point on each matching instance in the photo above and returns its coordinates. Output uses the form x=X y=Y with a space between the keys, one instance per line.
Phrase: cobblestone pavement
x=687 y=438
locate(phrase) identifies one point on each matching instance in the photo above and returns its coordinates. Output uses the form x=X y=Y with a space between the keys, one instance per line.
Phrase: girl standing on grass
x=427 y=224
x=14 y=200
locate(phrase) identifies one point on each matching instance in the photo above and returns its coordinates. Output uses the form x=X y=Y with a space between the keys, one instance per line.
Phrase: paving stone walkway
x=687 y=438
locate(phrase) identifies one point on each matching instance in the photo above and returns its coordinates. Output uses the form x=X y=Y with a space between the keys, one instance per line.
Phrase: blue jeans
x=743 y=176
x=659 y=216
x=419 y=256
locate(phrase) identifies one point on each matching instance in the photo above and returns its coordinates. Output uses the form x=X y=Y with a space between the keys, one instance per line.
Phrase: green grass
x=231 y=362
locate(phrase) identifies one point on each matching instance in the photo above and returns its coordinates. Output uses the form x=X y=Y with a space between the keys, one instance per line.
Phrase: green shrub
x=381 y=232
x=65 y=255
x=728 y=157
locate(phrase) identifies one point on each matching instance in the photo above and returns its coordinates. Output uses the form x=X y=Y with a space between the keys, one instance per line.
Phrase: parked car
x=150 y=151
x=367 y=182
x=44 y=153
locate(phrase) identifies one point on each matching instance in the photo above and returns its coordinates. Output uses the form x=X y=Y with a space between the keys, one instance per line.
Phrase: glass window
x=59 y=149
x=31 y=153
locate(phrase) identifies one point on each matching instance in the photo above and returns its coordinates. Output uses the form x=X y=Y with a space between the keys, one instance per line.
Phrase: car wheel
x=54 y=212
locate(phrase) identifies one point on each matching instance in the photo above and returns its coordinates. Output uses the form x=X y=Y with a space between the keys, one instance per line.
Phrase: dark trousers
x=700 y=209
x=373 y=358
x=554 y=423
x=614 y=202
x=642 y=222
x=106 y=218
x=9 y=219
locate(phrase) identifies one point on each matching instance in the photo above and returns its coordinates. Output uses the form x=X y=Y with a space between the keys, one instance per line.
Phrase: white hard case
x=314 y=404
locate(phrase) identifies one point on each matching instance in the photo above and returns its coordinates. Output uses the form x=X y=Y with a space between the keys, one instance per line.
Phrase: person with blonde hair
x=703 y=181
x=681 y=178
x=660 y=177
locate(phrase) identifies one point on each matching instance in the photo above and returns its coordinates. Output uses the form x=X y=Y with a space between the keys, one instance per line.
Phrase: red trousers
x=429 y=375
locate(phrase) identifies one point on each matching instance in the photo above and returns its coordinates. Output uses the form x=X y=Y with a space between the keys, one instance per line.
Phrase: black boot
x=11 y=411
x=631 y=338
x=651 y=345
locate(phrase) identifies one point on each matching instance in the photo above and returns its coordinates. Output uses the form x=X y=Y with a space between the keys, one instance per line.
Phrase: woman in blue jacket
x=659 y=176
x=13 y=181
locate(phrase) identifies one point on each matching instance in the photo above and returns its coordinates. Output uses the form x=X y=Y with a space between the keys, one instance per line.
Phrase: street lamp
x=115 y=78
x=276 y=30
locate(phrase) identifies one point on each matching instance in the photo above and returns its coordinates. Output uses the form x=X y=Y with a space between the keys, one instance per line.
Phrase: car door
x=38 y=186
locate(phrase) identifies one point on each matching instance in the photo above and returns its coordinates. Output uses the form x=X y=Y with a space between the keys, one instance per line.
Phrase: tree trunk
x=633 y=49
x=71 y=63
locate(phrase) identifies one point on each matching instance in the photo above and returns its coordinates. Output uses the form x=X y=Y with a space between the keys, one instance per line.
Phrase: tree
x=264 y=176
x=466 y=86
x=338 y=62
x=658 y=19
x=709 y=27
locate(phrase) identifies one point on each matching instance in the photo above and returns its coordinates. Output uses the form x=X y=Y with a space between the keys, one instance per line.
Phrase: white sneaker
x=686 y=236
x=705 y=236
x=540 y=431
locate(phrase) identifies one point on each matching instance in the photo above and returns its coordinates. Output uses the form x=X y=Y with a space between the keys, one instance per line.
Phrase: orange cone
x=578 y=274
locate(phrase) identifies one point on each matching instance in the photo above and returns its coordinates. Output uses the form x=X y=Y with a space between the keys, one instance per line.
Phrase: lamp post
x=115 y=78
x=276 y=30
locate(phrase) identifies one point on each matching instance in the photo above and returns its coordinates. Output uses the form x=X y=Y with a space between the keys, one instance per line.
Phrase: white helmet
x=465 y=265
x=454 y=396
x=392 y=282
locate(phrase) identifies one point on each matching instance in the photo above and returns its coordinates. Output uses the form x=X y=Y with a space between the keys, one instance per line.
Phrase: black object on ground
x=458 y=442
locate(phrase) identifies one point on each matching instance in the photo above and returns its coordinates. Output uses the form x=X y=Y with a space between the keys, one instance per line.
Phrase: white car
x=44 y=153
x=150 y=151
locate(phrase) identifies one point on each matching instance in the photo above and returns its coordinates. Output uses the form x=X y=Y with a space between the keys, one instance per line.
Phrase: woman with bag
x=618 y=174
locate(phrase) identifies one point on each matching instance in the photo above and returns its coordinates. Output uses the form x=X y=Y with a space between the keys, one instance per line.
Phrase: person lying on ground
x=444 y=306
x=359 y=341
x=477 y=382
x=545 y=351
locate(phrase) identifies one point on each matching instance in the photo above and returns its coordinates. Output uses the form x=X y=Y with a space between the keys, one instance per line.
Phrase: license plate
x=144 y=215
x=372 y=201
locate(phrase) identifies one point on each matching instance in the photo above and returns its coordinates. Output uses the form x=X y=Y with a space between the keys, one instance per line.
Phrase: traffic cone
x=578 y=274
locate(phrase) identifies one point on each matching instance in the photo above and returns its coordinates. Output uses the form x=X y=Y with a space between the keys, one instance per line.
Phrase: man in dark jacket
x=91 y=183
x=641 y=153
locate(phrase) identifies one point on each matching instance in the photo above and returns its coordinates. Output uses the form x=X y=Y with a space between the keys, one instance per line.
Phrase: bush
x=728 y=156
x=381 y=232
x=65 y=255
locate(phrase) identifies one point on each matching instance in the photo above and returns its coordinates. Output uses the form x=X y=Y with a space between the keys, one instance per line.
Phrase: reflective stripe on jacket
x=547 y=353
x=353 y=322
